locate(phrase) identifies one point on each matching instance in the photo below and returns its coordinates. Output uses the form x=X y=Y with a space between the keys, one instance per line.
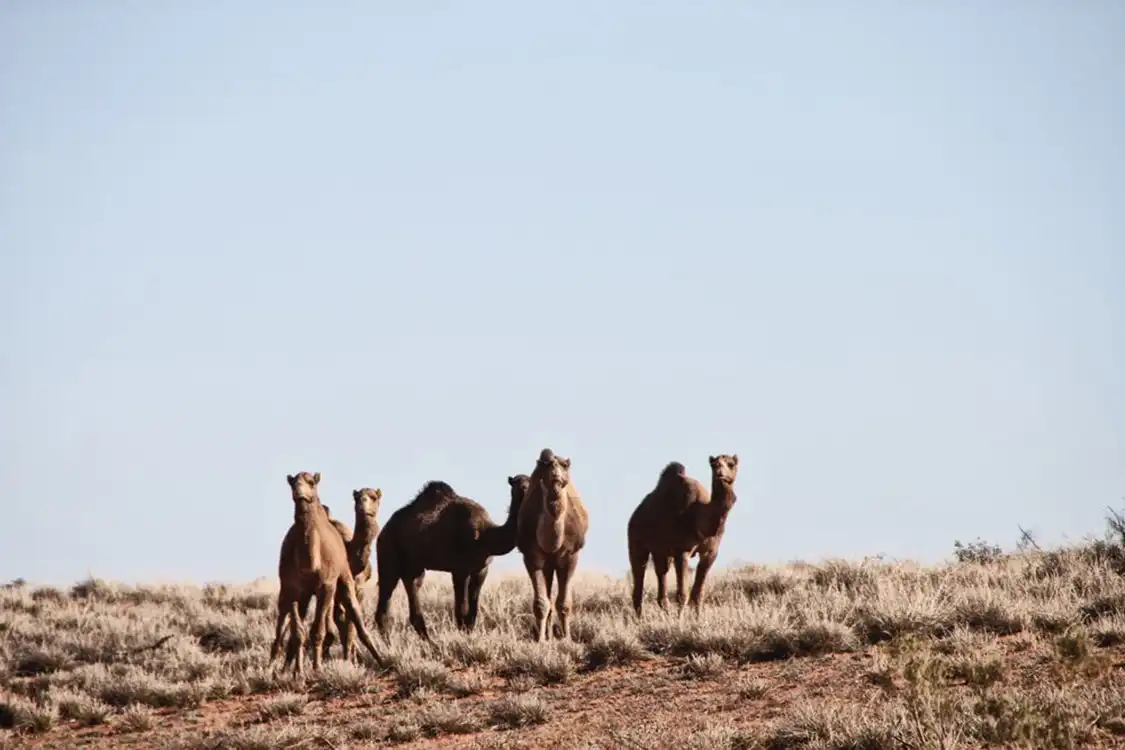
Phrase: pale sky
x=877 y=249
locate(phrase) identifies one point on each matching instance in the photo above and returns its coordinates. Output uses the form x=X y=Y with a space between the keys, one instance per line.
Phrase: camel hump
x=674 y=470
x=437 y=487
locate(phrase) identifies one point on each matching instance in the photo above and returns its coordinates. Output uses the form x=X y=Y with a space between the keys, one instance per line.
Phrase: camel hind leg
x=660 y=565
x=416 y=618
x=476 y=582
x=355 y=617
x=460 y=599
x=638 y=562
x=302 y=610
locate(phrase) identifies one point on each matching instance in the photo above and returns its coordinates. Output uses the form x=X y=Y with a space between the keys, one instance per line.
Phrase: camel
x=441 y=530
x=552 y=531
x=677 y=520
x=359 y=560
x=314 y=563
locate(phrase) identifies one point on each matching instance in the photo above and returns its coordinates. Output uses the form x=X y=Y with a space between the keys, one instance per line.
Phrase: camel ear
x=355 y=494
x=735 y=459
x=712 y=460
x=565 y=462
x=292 y=479
x=378 y=494
x=511 y=481
x=316 y=478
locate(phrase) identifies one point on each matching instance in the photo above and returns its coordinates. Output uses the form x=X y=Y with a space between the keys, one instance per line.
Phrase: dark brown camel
x=314 y=565
x=677 y=520
x=552 y=531
x=440 y=530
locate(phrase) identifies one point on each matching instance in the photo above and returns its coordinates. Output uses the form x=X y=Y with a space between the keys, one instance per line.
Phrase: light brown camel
x=359 y=561
x=441 y=530
x=314 y=566
x=552 y=531
x=677 y=520
x=359 y=546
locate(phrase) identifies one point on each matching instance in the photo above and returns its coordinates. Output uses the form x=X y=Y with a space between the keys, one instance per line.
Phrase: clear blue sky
x=877 y=249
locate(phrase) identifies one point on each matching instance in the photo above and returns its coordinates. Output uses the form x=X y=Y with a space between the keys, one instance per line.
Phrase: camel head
x=553 y=471
x=367 y=501
x=303 y=486
x=724 y=468
x=519 y=485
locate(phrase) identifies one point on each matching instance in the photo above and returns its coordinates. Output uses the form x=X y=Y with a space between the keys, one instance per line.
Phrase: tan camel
x=359 y=561
x=314 y=566
x=677 y=520
x=441 y=530
x=552 y=531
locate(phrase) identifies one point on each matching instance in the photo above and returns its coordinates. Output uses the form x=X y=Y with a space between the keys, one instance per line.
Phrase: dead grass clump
x=136 y=719
x=415 y=673
x=515 y=711
x=283 y=706
x=447 y=718
x=707 y=666
x=80 y=707
x=337 y=679
x=26 y=715
x=614 y=648
x=547 y=664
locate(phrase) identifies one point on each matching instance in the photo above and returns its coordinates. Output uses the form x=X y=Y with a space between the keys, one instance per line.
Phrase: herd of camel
x=440 y=530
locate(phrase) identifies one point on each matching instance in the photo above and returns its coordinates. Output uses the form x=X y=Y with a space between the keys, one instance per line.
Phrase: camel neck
x=500 y=540
x=722 y=499
x=364 y=534
x=306 y=513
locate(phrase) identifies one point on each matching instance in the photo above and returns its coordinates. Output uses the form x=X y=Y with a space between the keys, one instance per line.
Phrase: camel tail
x=351 y=604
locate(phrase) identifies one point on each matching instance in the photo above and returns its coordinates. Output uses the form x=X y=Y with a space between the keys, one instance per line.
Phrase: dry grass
x=937 y=642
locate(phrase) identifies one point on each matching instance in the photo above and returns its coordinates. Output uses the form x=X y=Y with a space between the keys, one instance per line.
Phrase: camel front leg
x=565 y=571
x=322 y=618
x=706 y=560
x=540 y=603
x=302 y=610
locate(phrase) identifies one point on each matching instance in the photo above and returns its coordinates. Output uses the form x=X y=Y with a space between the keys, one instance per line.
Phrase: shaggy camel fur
x=314 y=566
x=440 y=530
x=359 y=561
x=677 y=520
x=552 y=531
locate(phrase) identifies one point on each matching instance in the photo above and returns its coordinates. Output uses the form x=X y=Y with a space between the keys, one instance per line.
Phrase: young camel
x=552 y=531
x=314 y=566
x=359 y=561
x=677 y=520
x=440 y=530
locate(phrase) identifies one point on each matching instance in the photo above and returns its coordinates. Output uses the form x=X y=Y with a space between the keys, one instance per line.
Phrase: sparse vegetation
x=1004 y=649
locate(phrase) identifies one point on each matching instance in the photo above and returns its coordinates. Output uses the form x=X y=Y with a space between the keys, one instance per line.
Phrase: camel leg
x=540 y=603
x=347 y=634
x=302 y=612
x=297 y=636
x=325 y=603
x=549 y=575
x=660 y=565
x=416 y=618
x=638 y=561
x=565 y=571
x=706 y=560
x=680 y=563
x=476 y=581
x=460 y=599
x=355 y=619
x=284 y=604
